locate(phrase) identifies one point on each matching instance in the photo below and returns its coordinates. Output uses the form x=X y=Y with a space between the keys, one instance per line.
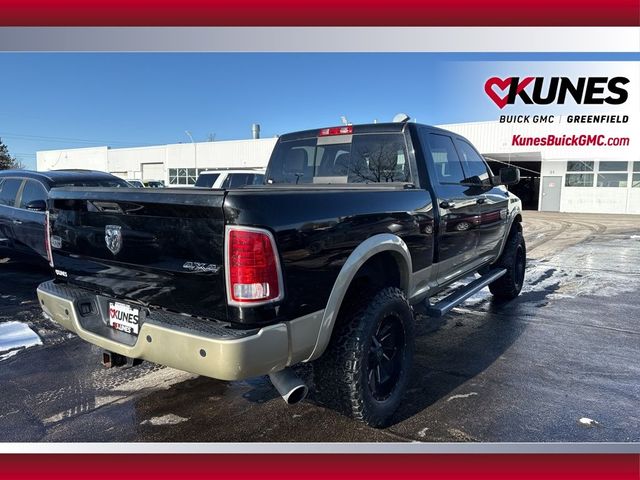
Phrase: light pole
x=195 y=154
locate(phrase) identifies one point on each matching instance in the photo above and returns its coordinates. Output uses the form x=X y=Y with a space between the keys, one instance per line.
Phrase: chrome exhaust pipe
x=289 y=386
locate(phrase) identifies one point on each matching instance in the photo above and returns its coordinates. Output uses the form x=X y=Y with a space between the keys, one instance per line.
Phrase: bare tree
x=376 y=163
x=6 y=160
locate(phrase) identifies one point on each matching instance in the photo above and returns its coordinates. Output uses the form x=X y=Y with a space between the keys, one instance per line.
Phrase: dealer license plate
x=124 y=317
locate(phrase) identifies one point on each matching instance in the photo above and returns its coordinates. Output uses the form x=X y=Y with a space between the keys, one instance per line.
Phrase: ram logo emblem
x=113 y=238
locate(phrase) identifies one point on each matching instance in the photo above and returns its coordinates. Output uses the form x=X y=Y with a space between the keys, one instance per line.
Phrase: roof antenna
x=401 y=118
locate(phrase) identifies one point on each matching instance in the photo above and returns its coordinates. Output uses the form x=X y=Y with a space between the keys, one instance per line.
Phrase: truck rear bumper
x=208 y=353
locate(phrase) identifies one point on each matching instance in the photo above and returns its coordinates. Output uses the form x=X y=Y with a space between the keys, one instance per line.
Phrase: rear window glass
x=374 y=158
x=154 y=184
x=238 y=180
x=207 y=180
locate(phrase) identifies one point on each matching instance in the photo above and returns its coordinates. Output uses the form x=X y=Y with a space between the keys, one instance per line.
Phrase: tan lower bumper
x=269 y=350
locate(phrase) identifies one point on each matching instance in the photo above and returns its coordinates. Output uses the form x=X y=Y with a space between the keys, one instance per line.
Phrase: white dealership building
x=600 y=178
x=175 y=164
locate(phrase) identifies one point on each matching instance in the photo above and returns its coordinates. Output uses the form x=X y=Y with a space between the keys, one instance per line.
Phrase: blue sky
x=62 y=100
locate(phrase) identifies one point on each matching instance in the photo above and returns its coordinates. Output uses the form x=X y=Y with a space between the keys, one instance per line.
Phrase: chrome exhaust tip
x=290 y=387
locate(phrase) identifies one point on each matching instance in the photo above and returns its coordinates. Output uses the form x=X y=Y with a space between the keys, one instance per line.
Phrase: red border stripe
x=319 y=13
x=323 y=466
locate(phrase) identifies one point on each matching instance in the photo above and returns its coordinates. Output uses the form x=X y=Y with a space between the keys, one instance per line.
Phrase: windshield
x=207 y=180
x=367 y=158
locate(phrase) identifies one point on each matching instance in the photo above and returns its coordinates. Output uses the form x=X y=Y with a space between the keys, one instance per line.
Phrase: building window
x=612 y=180
x=635 y=181
x=184 y=176
x=578 y=180
x=619 y=179
x=579 y=166
x=613 y=166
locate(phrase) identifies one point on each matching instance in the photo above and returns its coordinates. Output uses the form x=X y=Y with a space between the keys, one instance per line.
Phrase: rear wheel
x=365 y=370
x=514 y=260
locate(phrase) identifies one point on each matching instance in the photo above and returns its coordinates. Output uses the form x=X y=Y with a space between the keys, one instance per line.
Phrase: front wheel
x=365 y=370
x=514 y=260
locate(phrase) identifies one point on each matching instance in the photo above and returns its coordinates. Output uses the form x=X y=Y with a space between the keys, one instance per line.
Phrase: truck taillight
x=47 y=239
x=326 y=132
x=252 y=267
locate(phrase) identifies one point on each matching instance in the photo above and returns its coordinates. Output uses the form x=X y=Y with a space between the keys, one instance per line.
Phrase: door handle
x=480 y=200
x=17 y=222
x=447 y=204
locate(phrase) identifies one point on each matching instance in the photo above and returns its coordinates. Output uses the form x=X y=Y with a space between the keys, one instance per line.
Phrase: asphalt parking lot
x=559 y=363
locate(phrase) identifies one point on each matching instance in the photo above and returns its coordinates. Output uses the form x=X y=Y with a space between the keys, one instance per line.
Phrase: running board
x=460 y=294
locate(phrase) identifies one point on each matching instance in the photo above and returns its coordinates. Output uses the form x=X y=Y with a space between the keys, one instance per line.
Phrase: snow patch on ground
x=466 y=395
x=169 y=419
x=14 y=335
x=423 y=433
x=582 y=276
x=588 y=422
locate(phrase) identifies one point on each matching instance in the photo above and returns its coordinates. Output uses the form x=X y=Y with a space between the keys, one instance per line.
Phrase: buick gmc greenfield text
x=321 y=264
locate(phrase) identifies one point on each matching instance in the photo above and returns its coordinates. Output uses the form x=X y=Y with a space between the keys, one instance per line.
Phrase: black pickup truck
x=353 y=226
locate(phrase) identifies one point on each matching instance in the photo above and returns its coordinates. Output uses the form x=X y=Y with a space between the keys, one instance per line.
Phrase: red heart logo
x=503 y=85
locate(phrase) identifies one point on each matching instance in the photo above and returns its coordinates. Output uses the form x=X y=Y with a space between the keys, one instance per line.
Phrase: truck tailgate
x=159 y=248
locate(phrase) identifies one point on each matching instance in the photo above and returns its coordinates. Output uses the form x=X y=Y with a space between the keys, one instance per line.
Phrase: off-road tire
x=342 y=373
x=514 y=260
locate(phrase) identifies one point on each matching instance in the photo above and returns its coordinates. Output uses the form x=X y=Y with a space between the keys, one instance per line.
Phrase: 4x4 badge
x=113 y=238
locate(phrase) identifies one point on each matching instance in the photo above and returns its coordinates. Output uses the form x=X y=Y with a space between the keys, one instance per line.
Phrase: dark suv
x=23 y=203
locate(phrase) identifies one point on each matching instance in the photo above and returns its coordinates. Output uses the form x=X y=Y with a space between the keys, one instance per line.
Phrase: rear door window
x=365 y=158
x=474 y=166
x=9 y=190
x=33 y=190
x=445 y=159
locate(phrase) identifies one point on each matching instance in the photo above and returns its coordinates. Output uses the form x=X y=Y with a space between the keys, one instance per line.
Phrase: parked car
x=226 y=179
x=136 y=183
x=322 y=263
x=23 y=196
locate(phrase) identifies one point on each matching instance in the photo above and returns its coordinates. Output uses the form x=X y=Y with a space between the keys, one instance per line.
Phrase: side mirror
x=508 y=176
x=36 y=206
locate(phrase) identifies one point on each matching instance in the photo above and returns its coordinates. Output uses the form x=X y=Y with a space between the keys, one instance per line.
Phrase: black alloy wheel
x=366 y=368
x=514 y=261
x=385 y=357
